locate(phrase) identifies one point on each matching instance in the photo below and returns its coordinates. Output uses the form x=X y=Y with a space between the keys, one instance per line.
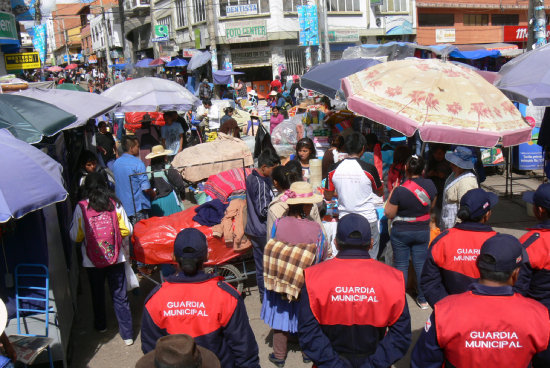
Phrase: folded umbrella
x=30 y=179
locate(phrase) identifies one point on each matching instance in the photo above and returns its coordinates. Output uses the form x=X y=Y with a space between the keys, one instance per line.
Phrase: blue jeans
x=258 y=245
x=406 y=244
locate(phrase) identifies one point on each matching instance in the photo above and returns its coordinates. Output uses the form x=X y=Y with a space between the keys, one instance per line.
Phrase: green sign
x=197 y=38
x=162 y=33
x=7 y=27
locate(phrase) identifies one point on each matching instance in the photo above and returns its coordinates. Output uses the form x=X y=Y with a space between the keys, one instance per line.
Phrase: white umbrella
x=84 y=105
x=151 y=94
x=199 y=60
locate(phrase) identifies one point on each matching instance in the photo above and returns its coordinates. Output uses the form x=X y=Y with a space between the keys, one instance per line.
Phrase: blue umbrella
x=527 y=77
x=30 y=178
x=325 y=78
x=177 y=62
x=143 y=63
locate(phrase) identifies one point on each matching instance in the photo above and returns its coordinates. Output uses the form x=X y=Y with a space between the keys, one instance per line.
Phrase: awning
x=473 y=55
x=487 y=46
x=245 y=66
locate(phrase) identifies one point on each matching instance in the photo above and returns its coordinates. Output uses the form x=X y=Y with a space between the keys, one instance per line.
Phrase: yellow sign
x=25 y=60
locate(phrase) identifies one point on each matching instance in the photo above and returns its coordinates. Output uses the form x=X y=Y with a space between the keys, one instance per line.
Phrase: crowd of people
x=343 y=297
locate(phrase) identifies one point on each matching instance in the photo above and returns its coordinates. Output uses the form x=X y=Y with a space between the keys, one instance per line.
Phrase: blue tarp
x=476 y=54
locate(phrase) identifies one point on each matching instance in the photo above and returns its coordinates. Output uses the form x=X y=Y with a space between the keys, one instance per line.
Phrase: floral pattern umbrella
x=444 y=102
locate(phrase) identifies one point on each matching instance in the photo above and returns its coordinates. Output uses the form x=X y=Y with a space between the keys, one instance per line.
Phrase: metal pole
x=107 y=48
x=325 y=31
x=540 y=23
x=65 y=41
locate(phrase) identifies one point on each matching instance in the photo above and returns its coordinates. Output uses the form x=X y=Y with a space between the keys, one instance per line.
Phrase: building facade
x=467 y=22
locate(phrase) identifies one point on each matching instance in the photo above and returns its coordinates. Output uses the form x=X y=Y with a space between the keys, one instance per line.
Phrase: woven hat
x=158 y=151
x=175 y=351
x=273 y=93
x=301 y=192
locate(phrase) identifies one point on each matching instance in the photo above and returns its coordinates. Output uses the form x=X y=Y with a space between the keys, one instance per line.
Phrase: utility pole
x=323 y=26
x=540 y=23
x=107 y=47
x=65 y=36
x=325 y=32
x=212 y=32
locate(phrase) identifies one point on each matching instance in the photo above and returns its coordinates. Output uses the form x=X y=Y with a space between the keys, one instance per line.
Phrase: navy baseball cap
x=478 y=201
x=539 y=197
x=190 y=243
x=353 y=223
x=506 y=250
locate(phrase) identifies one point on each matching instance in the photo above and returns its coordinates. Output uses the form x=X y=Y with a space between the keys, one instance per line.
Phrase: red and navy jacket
x=485 y=327
x=534 y=276
x=350 y=318
x=450 y=266
x=206 y=308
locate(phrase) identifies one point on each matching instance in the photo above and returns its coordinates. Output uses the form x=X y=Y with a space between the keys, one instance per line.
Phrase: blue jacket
x=330 y=334
x=258 y=197
x=450 y=267
x=207 y=309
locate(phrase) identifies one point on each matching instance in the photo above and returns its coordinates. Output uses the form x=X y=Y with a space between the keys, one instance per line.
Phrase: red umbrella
x=71 y=66
x=157 y=62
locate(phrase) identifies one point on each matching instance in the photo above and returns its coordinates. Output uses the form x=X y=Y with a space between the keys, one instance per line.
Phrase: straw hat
x=301 y=192
x=158 y=151
x=273 y=93
x=178 y=351
x=3 y=316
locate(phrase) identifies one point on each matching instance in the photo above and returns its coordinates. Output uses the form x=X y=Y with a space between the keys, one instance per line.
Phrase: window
x=165 y=21
x=342 y=5
x=262 y=5
x=290 y=5
x=436 y=20
x=505 y=19
x=181 y=13
x=476 y=19
x=394 y=6
x=199 y=11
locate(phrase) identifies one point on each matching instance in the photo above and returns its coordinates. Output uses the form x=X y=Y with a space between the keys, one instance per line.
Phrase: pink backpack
x=103 y=238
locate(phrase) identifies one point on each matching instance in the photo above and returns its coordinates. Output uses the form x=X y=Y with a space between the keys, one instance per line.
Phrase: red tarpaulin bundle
x=153 y=239
x=134 y=119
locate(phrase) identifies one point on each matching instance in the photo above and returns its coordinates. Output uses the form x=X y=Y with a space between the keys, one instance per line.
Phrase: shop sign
x=343 y=36
x=161 y=33
x=187 y=53
x=445 y=35
x=519 y=33
x=251 y=56
x=398 y=25
x=240 y=10
x=309 y=25
x=236 y=32
x=25 y=60
x=8 y=31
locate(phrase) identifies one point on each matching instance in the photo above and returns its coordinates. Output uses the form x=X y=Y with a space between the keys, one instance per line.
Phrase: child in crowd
x=87 y=163
x=258 y=196
x=305 y=151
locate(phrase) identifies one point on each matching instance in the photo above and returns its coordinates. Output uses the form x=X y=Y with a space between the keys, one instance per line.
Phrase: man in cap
x=450 y=266
x=534 y=276
x=200 y=305
x=357 y=318
x=490 y=325
x=178 y=351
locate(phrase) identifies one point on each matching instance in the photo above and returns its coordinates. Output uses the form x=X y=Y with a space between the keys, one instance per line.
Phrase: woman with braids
x=100 y=223
x=201 y=305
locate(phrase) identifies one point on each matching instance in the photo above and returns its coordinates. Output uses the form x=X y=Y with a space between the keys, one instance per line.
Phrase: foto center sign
x=162 y=33
x=26 y=60
x=237 y=32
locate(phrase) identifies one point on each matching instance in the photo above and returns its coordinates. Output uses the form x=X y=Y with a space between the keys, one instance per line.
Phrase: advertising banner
x=39 y=41
x=25 y=60
x=249 y=31
x=519 y=33
x=309 y=25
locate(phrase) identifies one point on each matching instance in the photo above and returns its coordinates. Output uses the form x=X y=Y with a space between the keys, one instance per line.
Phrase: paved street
x=91 y=349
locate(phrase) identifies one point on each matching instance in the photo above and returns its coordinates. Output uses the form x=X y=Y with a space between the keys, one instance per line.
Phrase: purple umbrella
x=527 y=77
x=30 y=179
x=325 y=78
x=143 y=63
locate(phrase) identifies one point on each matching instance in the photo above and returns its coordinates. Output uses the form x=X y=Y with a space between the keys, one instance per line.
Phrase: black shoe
x=306 y=359
x=278 y=362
